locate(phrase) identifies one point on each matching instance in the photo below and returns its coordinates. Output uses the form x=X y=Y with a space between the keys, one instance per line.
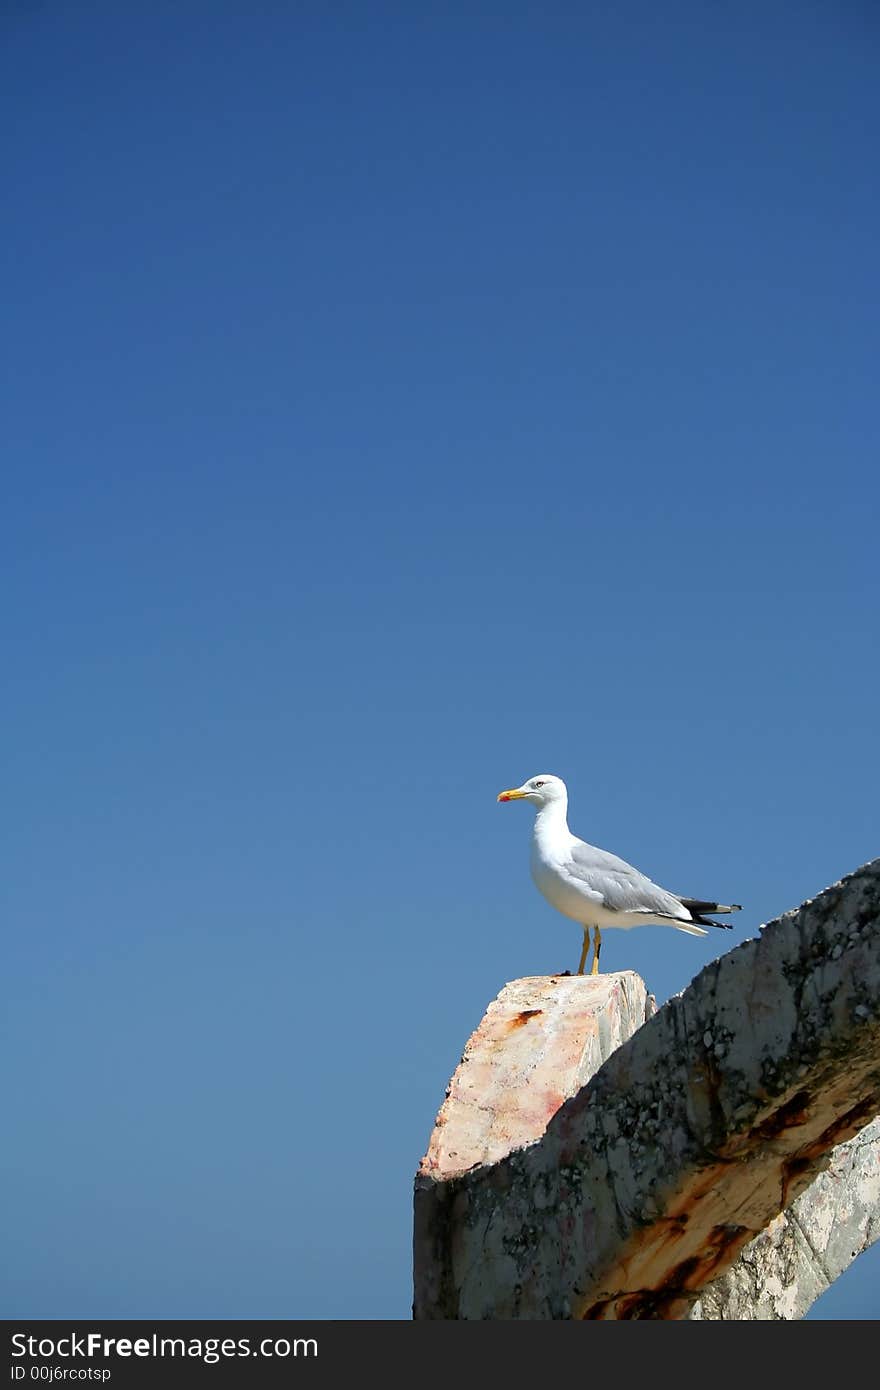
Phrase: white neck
x=551 y=821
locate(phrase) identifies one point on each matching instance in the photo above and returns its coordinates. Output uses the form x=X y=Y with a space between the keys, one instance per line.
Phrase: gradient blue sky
x=400 y=400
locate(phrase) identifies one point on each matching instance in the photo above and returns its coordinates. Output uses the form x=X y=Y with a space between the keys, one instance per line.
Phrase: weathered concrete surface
x=688 y=1142
x=539 y=1042
x=782 y=1272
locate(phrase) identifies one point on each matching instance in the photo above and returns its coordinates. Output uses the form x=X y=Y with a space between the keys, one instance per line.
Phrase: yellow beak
x=511 y=796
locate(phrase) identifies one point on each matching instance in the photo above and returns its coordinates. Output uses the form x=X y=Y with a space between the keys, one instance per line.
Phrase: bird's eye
x=537 y=784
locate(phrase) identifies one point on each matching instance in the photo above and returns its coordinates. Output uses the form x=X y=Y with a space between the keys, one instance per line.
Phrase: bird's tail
x=690 y=927
x=697 y=906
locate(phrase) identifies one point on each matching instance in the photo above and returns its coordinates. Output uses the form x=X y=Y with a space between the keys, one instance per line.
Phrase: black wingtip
x=708 y=905
x=702 y=921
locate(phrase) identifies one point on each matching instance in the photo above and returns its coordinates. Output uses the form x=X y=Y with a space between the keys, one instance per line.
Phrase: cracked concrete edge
x=782 y=1272
x=537 y=1044
x=687 y=1143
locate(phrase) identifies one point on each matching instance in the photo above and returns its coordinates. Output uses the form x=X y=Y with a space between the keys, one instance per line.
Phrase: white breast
x=557 y=888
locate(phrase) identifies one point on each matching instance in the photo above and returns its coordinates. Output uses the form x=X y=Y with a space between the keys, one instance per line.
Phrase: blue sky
x=398 y=402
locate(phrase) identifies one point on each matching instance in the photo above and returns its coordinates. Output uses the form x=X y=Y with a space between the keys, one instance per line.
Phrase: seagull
x=596 y=888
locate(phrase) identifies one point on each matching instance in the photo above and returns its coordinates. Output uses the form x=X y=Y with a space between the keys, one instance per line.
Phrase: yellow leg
x=580 y=969
x=597 y=946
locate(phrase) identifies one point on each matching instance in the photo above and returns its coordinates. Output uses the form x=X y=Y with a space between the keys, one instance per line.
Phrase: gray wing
x=623 y=888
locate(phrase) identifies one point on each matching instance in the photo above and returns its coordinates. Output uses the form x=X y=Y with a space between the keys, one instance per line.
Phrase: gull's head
x=541 y=791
